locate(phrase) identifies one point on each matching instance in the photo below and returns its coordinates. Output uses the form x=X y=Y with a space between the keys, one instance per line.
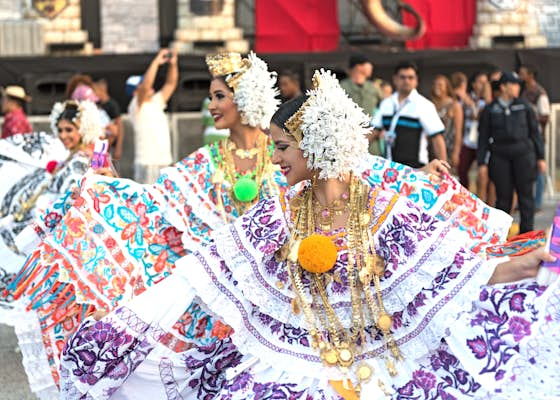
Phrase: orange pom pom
x=317 y=254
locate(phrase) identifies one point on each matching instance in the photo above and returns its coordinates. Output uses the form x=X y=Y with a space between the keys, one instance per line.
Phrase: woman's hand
x=437 y=167
x=522 y=267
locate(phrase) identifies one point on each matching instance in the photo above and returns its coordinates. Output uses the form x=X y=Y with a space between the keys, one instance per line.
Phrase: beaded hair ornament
x=88 y=119
x=253 y=85
x=330 y=128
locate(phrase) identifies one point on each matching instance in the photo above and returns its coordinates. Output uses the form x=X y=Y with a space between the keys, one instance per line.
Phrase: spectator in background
x=510 y=148
x=472 y=102
x=536 y=96
x=14 y=99
x=408 y=120
x=152 y=142
x=363 y=91
x=289 y=83
x=451 y=114
x=494 y=77
x=113 y=110
x=386 y=89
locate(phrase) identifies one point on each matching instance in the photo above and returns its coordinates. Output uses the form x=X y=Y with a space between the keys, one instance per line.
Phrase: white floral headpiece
x=88 y=119
x=331 y=129
x=254 y=86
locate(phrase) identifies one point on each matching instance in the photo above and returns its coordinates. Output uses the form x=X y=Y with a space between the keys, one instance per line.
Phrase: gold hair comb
x=228 y=63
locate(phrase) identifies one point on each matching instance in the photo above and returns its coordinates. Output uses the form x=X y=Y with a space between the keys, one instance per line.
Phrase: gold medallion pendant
x=345 y=355
x=364 y=372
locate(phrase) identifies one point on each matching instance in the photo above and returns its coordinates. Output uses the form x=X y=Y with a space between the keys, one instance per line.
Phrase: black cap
x=510 y=77
x=357 y=59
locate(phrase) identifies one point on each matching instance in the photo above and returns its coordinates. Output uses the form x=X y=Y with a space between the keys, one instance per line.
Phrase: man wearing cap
x=152 y=142
x=15 y=120
x=511 y=149
x=362 y=90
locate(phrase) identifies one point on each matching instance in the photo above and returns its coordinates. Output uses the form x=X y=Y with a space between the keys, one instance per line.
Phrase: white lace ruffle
x=240 y=300
x=34 y=358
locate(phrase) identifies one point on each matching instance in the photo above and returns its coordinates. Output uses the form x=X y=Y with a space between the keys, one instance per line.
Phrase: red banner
x=296 y=26
x=449 y=24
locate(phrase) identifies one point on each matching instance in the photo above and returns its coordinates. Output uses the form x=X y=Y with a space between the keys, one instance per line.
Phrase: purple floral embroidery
x=478 y=347
x=443 y=377
x=505 y=316
x=516 y=302
x=208 y=364
x=266 y=391
x=424 y=380
x=241 y=382
x=260 y=228
x=283 y=332
x=100 y=350
x=398 y=239
x=519 y=327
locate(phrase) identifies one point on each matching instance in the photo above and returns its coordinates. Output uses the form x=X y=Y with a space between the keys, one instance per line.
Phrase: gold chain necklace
x=243 y=190
x=338 y=346
x=243 y=153
x=325 y=214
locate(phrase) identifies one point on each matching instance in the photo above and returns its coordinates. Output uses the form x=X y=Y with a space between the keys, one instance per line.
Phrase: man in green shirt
x=362 y=90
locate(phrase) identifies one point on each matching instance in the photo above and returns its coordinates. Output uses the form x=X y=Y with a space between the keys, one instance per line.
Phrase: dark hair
x=406 y=65
x=474 y=77
x=384 y=83
x=495 y=85
x=286 y=110
x=531 y=69
x=357 y=59
x=288 y=73
x=458 y=78
x=70 y=113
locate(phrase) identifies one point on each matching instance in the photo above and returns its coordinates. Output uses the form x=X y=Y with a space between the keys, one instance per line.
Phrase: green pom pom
x=245 y=189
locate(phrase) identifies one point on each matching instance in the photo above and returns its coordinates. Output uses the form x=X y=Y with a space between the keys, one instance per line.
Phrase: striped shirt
x=416 y=120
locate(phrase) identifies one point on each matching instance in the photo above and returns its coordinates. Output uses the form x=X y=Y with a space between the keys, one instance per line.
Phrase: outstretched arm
x=150 y=76
x=172 y=77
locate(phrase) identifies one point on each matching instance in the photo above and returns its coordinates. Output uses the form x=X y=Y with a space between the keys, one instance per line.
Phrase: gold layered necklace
x=326 y=214
x=338 y=346
x=244 y=187
x=243 y=154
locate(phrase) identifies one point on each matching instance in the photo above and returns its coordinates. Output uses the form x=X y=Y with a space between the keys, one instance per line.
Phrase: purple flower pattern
x=102 y=350
x=398 y=239
x=207 y=365
x=505 y=315
x=441 y=376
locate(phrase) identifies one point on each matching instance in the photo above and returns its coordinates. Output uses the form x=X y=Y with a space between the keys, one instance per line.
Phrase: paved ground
x=13 y=383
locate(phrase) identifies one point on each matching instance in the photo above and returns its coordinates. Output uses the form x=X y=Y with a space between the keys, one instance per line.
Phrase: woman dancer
x=42 y=171
x=121 y=237
x=337 y=290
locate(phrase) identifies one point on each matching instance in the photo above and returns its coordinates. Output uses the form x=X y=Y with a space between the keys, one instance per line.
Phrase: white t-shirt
x=152 y=143
x=410 y=123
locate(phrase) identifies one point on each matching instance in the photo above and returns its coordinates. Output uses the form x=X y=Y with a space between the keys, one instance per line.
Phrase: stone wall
x=66 y=27
x=494 y=23
x=129 y=26
x=217 y=31
x=547 y=13
x=10 y=9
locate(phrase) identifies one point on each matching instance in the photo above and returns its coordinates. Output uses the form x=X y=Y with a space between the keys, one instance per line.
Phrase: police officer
x=511 y=148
